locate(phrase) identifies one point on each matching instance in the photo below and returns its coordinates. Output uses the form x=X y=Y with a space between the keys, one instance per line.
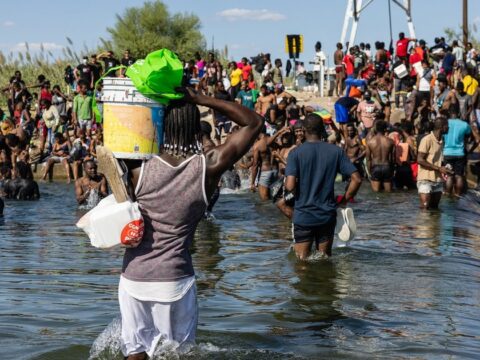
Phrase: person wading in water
x=311 y=172
x=157 y=292
x=89 y=183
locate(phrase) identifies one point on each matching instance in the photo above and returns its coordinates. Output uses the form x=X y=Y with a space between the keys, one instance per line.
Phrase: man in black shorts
x=311 y=171
x=380 y=154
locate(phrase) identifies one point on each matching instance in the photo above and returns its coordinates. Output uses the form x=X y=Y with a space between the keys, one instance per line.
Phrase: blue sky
x=247 y=27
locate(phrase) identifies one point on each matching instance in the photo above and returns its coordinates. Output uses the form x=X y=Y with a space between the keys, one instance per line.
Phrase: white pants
x=145 y=323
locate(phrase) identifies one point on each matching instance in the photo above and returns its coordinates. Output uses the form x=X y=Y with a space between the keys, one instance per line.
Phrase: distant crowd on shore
x=56 y=124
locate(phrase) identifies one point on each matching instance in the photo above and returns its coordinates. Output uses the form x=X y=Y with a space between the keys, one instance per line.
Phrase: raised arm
x=224 y=156
x=272 y=138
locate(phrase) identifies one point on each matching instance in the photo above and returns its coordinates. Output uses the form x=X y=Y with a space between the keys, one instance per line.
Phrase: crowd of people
x=424 y=84
x=407 y=118
x=403 y=119
x=434 y=90
x=56 y=125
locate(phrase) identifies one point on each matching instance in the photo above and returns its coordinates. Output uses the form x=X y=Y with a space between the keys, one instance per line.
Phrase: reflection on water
x=408 y=286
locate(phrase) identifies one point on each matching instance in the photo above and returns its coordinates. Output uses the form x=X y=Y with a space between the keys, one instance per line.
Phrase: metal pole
x=346 y=22
x=321 y=76
x=356 y=18
x=411 y=28
x=294 y=73
x=465 y=23
x=390 y=20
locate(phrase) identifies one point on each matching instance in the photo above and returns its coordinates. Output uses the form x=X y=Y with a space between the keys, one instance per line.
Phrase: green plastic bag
x=157 y=76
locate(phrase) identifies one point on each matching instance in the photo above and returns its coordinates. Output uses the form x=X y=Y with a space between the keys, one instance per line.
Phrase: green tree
x=151 y=27
x=452 y=34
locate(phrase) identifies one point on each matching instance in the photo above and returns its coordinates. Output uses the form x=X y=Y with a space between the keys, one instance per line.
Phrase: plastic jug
x=111 y=224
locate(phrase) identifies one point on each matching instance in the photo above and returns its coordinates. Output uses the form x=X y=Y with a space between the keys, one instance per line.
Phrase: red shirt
x=45 y=94
x=414 y=58
x=247 y=69
x=402 y=47
x=368 y=72
x=349 y=66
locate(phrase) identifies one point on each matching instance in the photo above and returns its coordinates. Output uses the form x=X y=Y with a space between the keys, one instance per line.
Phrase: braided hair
x=183 y=133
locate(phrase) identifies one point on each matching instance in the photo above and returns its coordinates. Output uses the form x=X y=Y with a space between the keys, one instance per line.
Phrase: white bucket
x=418 y=67
x=401 y=71
x=132 y=123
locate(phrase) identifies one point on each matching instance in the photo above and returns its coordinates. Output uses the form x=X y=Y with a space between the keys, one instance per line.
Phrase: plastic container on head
x=132 y=123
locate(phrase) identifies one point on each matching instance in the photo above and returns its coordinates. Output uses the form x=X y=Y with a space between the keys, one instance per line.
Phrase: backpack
x=68 y=76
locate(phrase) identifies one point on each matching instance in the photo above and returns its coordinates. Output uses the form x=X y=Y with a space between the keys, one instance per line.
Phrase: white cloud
x=47 y=46
x=251 y=14
x=8 y=23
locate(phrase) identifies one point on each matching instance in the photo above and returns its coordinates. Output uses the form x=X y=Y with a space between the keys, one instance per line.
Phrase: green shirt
x=246 y=98
x=82 y=106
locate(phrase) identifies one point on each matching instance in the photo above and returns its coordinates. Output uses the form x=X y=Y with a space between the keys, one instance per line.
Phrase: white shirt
x=320 y=58
x=458 y=52
x=424 y=84
x=51 y=117
x=168 y=291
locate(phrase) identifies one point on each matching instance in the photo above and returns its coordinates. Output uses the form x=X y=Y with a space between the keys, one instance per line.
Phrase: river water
x=407 y=287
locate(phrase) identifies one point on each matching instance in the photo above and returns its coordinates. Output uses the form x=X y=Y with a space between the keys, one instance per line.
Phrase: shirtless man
x=354 y=148
x=380 y=153
x=287 y=145
x=339 y=69
x=276 y=115
x=264 y=101
x=281 y=94
x=90 y=182
x=262 y=161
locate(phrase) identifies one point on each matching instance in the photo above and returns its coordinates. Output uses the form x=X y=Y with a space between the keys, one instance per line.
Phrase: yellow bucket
x=132 y=123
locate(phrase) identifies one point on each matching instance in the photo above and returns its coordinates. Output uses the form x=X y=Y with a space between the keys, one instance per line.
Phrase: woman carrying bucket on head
x=157 y=291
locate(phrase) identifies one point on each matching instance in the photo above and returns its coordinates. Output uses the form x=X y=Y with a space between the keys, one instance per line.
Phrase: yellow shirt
x=433 y=148
x=236 y=77
x=470 y=84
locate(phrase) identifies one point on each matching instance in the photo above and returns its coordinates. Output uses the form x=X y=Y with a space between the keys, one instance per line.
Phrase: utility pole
x=465 y=23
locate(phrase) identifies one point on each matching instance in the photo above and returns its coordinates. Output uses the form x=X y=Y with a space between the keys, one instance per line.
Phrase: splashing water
x=92 y=200
x=107 y=345
x=244 y=186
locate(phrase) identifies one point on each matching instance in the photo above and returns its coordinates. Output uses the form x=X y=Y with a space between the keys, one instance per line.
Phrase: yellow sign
x=294 y=45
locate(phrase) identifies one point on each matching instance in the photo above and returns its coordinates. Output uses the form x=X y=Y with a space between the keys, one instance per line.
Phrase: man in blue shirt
x=310 y=174
x=454 y=154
